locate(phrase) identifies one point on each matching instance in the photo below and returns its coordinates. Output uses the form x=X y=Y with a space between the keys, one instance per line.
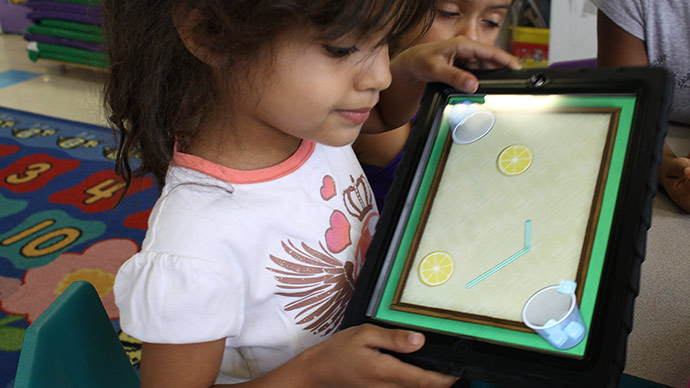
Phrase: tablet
x=515 y=228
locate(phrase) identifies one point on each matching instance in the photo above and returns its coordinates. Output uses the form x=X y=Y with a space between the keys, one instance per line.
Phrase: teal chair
x=73 y=344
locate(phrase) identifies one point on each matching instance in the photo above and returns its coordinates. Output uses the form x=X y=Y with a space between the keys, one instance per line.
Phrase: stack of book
x=68 y=31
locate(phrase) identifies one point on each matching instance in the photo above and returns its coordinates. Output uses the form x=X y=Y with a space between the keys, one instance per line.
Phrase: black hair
x=156 y=87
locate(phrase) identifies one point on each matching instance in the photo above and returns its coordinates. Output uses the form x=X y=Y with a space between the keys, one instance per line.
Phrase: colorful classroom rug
x=57 y=222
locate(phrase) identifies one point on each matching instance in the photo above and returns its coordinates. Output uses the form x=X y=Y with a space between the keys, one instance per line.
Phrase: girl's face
x=479 y=20
x=315 y=90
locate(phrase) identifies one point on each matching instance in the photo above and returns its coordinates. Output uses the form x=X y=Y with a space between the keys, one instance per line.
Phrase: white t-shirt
x=664 y=26
x=265 y=259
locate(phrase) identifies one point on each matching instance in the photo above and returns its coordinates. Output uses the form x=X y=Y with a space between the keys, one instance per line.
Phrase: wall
x=572 y=33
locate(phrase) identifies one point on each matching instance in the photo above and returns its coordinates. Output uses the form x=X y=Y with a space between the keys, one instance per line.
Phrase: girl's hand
x=444 y=61
x=351 y=358
x=440 y=61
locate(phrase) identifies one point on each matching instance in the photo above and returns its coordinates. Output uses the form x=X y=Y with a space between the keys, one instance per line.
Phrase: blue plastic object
x=73 y=344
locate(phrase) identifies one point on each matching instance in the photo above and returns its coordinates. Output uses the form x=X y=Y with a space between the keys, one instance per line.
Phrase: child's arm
x=418 y=65
x=616 y=47
x=186 y=365
x=380 y=149
x=350 y=358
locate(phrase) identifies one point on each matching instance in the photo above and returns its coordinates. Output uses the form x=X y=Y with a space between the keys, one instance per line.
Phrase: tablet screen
x=515 y=196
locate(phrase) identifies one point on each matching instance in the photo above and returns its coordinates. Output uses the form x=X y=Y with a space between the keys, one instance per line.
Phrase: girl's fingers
x=463 y=52
x=410 y=376
x=403 y=341
x=469 y=51
x=458 y=78
x=679 y=168
x=384 y=370
x=399 y=341
x=396 y=371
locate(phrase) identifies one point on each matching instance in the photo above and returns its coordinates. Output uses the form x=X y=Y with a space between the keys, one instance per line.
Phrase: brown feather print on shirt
x=321 y=283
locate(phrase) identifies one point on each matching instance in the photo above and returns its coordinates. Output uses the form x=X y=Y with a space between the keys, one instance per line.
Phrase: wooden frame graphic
x=400 y=304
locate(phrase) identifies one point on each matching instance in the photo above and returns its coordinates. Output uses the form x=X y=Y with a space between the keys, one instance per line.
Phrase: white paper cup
x=555 y=316
x=469 y=124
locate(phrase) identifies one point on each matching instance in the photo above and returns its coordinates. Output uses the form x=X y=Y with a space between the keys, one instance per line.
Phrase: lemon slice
x=436 y=268
x=514 y=159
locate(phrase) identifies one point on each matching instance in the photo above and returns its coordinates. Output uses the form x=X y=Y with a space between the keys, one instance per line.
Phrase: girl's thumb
x=403 y=341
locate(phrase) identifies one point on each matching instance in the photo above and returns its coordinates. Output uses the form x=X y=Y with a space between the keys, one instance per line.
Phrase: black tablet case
x=604 y=358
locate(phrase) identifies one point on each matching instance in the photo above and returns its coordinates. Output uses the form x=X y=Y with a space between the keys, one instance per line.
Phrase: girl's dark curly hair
x=156 y=87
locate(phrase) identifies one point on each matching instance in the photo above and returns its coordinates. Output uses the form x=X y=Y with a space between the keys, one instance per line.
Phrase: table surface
x=659 y=344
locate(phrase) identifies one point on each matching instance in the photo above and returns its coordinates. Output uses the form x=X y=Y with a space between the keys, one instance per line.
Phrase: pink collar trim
x=230 y=175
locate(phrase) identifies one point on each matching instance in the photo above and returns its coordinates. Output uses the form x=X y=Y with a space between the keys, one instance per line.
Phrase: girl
x=478 y=20
x=244 y=111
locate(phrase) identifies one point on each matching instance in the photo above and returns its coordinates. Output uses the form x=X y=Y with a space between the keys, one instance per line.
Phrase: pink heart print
x=338 y=235
x=328 y=188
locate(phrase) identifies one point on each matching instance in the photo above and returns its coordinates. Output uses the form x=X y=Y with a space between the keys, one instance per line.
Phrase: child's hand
x=442 y=61
x=675 y=178
x=351 y=358
x=418 y=65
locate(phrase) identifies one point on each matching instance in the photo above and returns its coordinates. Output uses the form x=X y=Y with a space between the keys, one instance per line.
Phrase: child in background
x=477 y=20
x=244 y=111
x=654 y=33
